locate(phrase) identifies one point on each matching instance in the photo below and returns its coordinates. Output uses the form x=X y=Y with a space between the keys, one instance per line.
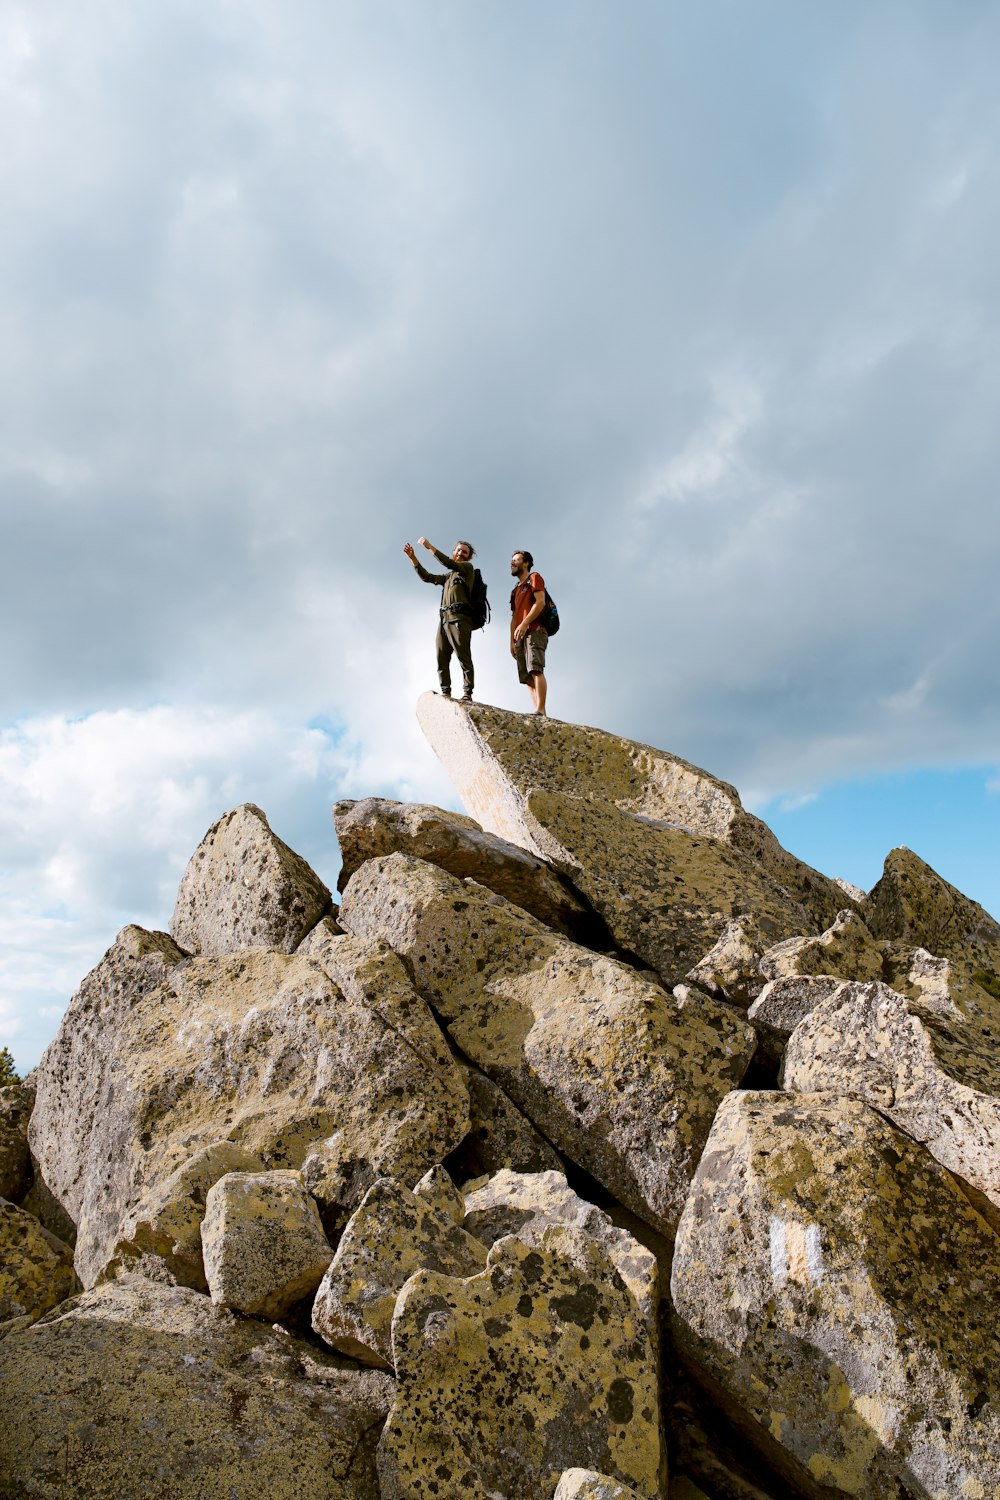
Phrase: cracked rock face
x=160 y=1056
x=376 y=826
x=245 y=888
x=863 y=1040
x=136 y=1390
x=837 y=1293
x=540 y=1363
x=607 y=1065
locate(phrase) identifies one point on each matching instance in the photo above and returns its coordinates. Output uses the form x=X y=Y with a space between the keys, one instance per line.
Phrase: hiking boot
x=446 y=692
x=466 y=698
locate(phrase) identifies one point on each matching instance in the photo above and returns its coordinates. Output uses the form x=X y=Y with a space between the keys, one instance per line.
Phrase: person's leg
x=536 y=642
x=523 y=675
x=444 y=650
x=463 y=650
x=539 y=689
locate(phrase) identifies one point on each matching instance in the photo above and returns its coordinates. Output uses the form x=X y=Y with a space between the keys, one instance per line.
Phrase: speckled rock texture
x=584 y=1484
x=731 y=969
x=499 y=1135
x=376 y=826
x=528 y=1204
x=16 y=1103
x=783 y=1003
x=837 y=1293
x=912 y=904
x=605 y=1063
x=36 y=1269
x=864 y=1041
x=136 y=1391
x=244 y=888
x=846 y=949
x=393 y=1234
x=167 y=1223
x=539 y=1364
x=663 y=851
x=160 y=1056
x=263 y=1243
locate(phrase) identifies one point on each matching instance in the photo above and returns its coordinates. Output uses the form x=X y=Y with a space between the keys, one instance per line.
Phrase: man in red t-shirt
x=528 y=636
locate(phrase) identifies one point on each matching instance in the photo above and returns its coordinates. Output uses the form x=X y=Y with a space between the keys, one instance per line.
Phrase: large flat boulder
x=159 y=1057
x=245 y=888
x=863 y=1040
x=377 y=826
x=540 y=1363
x=138 y=1390
x=613 y=1070
x=663 y=851
x=837 y=1293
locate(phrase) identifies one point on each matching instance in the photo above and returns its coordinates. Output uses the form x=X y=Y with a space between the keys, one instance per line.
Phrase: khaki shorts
x=531 y=654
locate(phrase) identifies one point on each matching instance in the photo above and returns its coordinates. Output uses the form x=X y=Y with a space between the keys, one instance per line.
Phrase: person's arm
x=532 y=614
x=421 y=571
x=465 y=568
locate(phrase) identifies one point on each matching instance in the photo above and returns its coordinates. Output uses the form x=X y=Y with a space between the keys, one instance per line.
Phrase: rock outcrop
x=603 y=1129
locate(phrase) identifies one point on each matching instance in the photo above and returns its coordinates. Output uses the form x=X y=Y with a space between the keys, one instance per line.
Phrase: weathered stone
x=137 y=1390
x=863 y=1041
x=838 y=1294
x=499 y=1135
x=156 y=1060
x=36 y=1269
x=391 y=1235
x=437 y=1190
x=376 y=826
x=167 y=1223
x=663 y=851
x=244 y=888
x=731 y=970
x=708 y=1451
x=263 y=1243
x=540 y=1363
x=913 y=905
x=856 y=894
x=529 y=1204
x=846 y=949
x=584 y=1484
x=16 y=1103
x=603 y=1062
x=783 y=1003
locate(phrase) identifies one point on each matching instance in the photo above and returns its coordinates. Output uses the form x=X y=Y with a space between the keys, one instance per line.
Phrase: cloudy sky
x=697 y=302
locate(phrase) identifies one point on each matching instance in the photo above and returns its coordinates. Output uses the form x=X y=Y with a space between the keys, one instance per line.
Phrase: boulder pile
x=593 y=1146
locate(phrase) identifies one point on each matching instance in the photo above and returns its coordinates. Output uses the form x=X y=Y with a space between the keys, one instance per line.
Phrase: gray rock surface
x=263 y=1243
x=135 y=1390
x=393 y=1234
x=377 y=826
x=863 y=1040
x=159 y=1057
x=817 y=1293
x=245 y=888
x=539 y=1364
x=499 y=1135
x=783 y=1003
x=606 y=1064
x=16 y=1103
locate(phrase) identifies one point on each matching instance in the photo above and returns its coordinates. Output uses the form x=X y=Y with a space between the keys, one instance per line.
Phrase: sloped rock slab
x=783 y=1003
x=662 y=850
x=838 y=1295
x=863 y=1041
x=156 y=1060
x=245 y=888
x=377 y=826
x=138 y=1390
x=913 y=904
x=499 y=1135
x=393 y=1234
x=606 y=1064
x=846 y=949
x=36 y=1269
x=539 y=1364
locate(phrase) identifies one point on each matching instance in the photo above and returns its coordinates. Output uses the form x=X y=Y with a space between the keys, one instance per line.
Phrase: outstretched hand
x=425 y=543
x=408 y=549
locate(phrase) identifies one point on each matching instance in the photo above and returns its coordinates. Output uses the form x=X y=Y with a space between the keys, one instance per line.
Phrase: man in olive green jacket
x=455 y=627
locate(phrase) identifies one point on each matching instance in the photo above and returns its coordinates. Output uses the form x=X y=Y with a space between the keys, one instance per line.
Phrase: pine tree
x=8 y=1073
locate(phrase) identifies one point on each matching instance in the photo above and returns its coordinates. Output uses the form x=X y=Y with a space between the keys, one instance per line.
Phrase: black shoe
x=446 y=694
x=466 y=698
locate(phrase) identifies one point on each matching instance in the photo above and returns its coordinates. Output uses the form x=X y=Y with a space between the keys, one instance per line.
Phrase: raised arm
x=419 y=568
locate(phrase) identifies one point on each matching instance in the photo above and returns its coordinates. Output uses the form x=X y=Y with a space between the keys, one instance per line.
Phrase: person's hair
x=472 y=550
x=523 y=552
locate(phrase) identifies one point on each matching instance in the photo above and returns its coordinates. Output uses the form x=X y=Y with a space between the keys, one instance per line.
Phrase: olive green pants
x=455 y=636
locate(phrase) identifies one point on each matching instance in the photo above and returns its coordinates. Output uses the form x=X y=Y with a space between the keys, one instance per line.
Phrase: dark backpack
x=479 y=607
